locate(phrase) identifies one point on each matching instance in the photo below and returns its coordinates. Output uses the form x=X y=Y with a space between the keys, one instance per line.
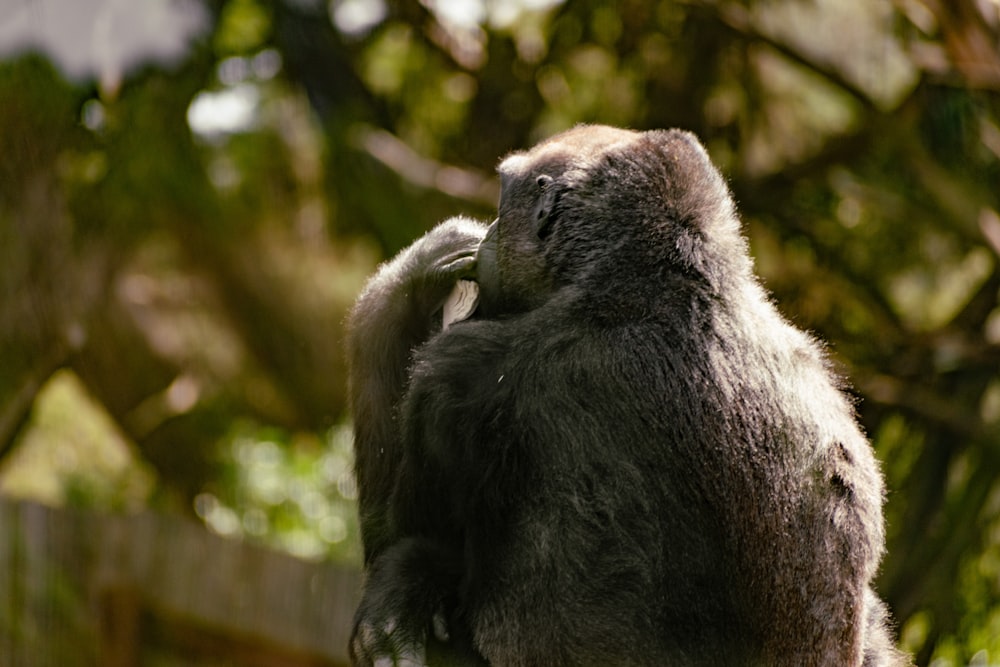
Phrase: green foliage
x=296 y=492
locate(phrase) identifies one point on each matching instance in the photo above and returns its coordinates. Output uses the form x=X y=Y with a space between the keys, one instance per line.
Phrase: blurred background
x=193 y=192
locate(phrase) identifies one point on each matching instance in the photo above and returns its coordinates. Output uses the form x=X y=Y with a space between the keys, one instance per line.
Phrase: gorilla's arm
x=394 y=315
x=411 y=612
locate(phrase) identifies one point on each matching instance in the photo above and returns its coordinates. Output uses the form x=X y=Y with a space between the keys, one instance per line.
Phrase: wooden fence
x=84 y=588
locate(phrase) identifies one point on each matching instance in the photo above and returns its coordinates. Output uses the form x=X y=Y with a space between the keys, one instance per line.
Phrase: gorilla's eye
x=544 y=210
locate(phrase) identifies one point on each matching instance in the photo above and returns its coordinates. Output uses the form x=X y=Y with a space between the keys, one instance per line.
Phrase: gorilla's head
x=601 y=209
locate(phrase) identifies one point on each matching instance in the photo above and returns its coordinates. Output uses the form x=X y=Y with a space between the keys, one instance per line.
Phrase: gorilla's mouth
x=487 y=271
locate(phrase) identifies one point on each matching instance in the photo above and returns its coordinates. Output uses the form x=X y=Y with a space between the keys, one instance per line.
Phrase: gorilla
x=625 y=455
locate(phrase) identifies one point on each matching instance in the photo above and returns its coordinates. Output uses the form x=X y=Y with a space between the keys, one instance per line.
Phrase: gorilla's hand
x=402 y=621
x=390 y=646
x=443 y=257
x=386 y=646
x=398 y=307
x=461 y=303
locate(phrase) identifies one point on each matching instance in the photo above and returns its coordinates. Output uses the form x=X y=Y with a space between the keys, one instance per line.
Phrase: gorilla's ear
x=545 y=207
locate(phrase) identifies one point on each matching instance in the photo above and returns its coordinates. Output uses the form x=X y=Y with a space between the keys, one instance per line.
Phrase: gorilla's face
x=511 y=268
x=604 y=209
x=514 y=261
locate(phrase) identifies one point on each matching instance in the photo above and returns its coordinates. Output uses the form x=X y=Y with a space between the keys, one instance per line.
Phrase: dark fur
x=630 y=458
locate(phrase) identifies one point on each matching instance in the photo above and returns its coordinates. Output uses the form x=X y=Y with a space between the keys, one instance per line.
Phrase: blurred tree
x=186 y=237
